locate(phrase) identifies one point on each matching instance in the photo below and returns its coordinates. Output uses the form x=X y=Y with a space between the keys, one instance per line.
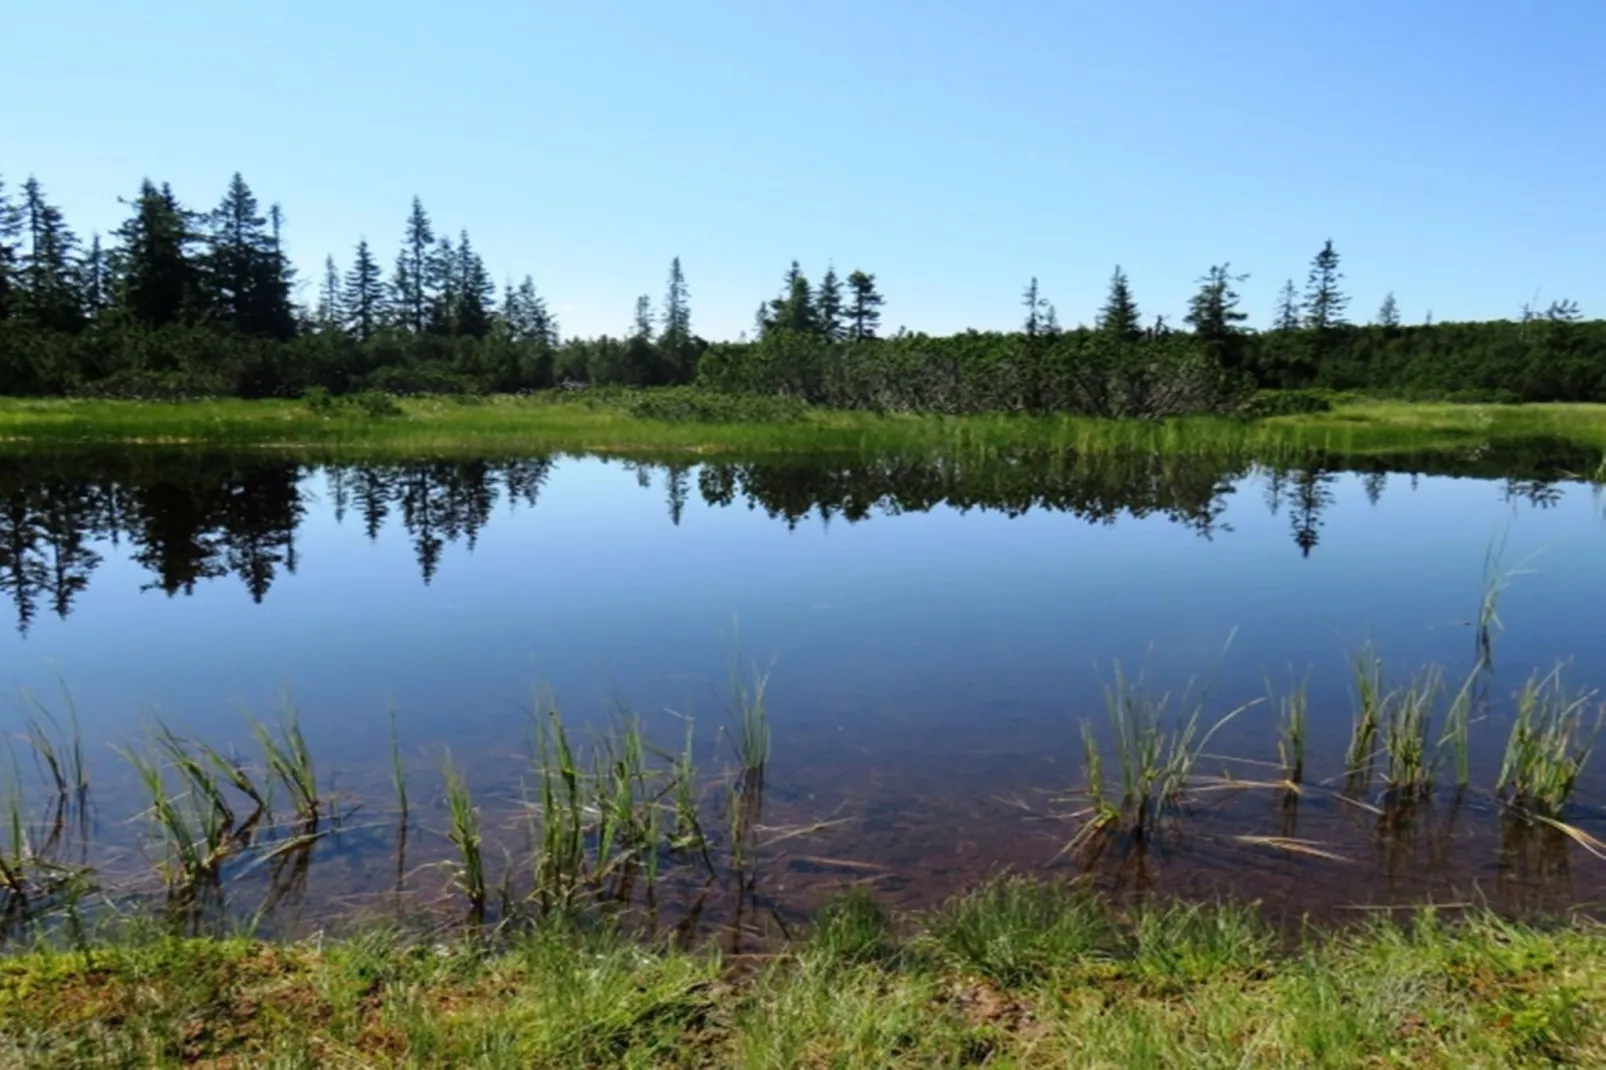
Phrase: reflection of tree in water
x=1312 y=492
x=194 y=517
x=1098 y=488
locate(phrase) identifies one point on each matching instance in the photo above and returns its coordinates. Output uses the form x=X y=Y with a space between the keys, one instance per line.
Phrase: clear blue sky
x=1455 y=151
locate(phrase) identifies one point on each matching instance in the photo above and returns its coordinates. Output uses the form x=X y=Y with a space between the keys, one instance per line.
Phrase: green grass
x=1551 y=740
x=1016 y=974
x=609 y=422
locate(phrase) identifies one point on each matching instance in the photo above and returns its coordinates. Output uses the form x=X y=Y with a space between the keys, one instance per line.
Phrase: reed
x=1407 y=722
x=1293 y=714
x=289 y=762
x=463 y=831
x=1156 y=754
x=1548 y=746
x=1366 y=673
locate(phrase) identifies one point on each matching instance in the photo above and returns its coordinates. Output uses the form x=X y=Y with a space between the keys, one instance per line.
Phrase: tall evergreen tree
x=864 y=306
x=794 y=309
x=675 y=344
x=1287 y=315
x=246 y=272
x=526 y=315
x=158 y=276
x=49 y=291
x=10 y=232
x=1388 y=313
x=1040 y=318
x=1213 y=311
x=475 y=294
x=363 y=297
x=1324 y=301
x=277 y=312
x=828 y=304
x=410 y=284
x=331 y=309
x=94 y=280
x=440 y=287
x=1119 y=316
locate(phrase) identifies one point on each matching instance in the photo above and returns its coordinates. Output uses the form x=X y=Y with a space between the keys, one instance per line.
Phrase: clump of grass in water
x=1156 y=760
x=1293 y=713
x=1407 y=720
x=289 y=763
x=1366 y=669
x=464 y=833
x=1547 y=747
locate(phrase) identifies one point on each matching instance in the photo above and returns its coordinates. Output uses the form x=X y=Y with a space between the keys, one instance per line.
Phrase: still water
x=934 y=631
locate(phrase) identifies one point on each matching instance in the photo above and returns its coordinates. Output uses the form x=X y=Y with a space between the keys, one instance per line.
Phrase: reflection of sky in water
x=920 y=638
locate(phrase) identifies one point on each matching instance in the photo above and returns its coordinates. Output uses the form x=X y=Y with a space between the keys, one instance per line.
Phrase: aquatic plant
x=1548 y=746
x=1155 y=754
x=463 y=831
x=1407 y=721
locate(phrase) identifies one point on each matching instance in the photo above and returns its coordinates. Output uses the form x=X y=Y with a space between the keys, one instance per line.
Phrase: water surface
x=935 y=630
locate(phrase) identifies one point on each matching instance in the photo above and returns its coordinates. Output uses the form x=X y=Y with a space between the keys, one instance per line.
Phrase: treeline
x=183 y=302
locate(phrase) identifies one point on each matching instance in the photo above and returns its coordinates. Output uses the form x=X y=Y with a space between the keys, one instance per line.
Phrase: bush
x=1287 y=403
x=690 y=405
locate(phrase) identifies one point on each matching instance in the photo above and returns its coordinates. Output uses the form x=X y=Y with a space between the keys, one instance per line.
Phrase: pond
x=934 y=631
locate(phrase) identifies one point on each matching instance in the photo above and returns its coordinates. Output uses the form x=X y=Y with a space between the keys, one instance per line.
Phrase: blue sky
x=1453 y=151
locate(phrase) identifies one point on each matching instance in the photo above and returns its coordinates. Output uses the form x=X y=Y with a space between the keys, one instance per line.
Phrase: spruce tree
x=1213 y=311
x=1287 y=315
x=525 y=313
x=331 y=309
x=159 y=279
x=475 y=293
x=49 y=291
x=828 y=305
x=1119 y=316
x=1388 y=314
x=440 y=287
x=1324 y=301
x=794 y=309
x=864 y=306
x=94 y=281
x=1038 y=311
x=10 y=232
x=363 y=297
x=674 y=343
x=247 y=276
x=410 y=284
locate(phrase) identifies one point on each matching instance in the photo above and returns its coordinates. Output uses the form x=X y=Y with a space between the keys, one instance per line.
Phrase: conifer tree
x=1388 y=314
x=864 y=306
x=475 y=294
x=10 y=232
x=247 y=276
x=1324 y=301
x=674 y=343
x=94 y=280
x=410 y=284
x=794 y=309
x=828 y=305
x=1213 y=311
x=49 y=292
x=363 y=298
x=1119 y=316
x=158 y=277
x=440 y=287
x=1287 y=315
x=526 y=315
x=331 y=309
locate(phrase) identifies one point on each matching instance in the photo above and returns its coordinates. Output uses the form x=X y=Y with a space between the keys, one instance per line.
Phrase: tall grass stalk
x=1155 y=755
x=289 y=762
x=464 y=833
x=1293 y=714
x=1548 y=746
x=1408 y=718
x=1366 y=671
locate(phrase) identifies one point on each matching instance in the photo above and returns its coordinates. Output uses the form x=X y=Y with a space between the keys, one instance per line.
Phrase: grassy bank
x=623 y=424
x=1017 y=974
